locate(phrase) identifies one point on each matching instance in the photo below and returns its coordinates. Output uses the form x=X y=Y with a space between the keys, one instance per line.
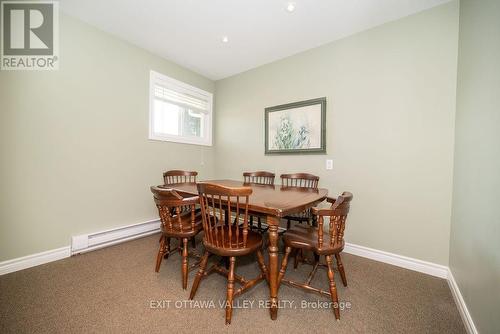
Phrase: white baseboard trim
x=92 y=241
x=425 y=267
x=33 y=260
x=462 y=307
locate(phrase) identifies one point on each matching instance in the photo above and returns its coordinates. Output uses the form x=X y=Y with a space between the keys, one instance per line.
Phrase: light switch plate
x=329 y=164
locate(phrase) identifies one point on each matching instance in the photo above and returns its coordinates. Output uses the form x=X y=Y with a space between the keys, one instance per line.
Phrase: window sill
x=181 y=140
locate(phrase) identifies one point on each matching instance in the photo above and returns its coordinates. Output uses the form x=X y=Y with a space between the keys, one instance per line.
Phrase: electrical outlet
x=329 y=164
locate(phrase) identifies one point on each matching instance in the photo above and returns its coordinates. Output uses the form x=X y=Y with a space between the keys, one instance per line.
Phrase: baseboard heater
x=88 y=242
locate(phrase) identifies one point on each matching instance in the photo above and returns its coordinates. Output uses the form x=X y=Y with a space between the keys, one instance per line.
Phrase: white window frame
x=181 y=87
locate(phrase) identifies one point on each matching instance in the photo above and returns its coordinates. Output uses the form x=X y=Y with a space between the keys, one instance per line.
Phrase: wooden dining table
x=273 y=202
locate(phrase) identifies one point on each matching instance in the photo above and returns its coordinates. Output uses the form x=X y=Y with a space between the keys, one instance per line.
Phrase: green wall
x=74 y=143
x=390 y=127
x=475 y=226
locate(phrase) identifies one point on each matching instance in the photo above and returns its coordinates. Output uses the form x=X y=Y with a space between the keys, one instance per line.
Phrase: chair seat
x=186 y=231
x=254 y=242
x=306 y=237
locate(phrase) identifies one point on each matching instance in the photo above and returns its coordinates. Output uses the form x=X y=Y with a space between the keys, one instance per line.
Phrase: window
x=179 y=112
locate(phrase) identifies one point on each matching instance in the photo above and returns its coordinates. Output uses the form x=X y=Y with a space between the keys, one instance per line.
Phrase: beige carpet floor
x=115 y=290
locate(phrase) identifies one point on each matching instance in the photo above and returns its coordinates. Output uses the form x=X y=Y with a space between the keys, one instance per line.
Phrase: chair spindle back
x=179 y=176
x=300 y=180
x=338 y=216
x=260 y=177
x=218 y=204
x=172 y=209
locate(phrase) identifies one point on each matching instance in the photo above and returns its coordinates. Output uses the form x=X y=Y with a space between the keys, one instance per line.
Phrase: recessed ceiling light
x=290 y=7
x=225 y=39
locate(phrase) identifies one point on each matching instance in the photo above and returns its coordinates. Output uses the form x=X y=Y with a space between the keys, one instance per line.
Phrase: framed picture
x=296 y=128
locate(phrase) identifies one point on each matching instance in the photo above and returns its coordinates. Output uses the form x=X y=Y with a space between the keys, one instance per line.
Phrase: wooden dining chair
x=177 y=223
x=227 y=237
x=179 y=176
x=258 y=178
x=322 y=243
x=299 y=180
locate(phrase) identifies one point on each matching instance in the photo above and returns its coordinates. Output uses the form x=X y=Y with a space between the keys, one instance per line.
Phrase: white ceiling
x=189 y=32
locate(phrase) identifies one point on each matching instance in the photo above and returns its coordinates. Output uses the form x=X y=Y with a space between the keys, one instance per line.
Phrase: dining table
x=274 y=202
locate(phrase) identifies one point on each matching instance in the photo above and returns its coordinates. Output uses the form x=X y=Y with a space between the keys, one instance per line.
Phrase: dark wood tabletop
x=267 y=199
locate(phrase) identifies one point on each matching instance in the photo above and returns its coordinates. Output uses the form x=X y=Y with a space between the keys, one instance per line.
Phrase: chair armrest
x=191 y=200
x=322 y=212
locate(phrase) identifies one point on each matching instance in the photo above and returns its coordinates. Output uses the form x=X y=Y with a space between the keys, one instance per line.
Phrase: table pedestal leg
x=273 y=264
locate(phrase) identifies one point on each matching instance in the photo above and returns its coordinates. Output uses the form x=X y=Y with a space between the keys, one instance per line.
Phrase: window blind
x=181 y=98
